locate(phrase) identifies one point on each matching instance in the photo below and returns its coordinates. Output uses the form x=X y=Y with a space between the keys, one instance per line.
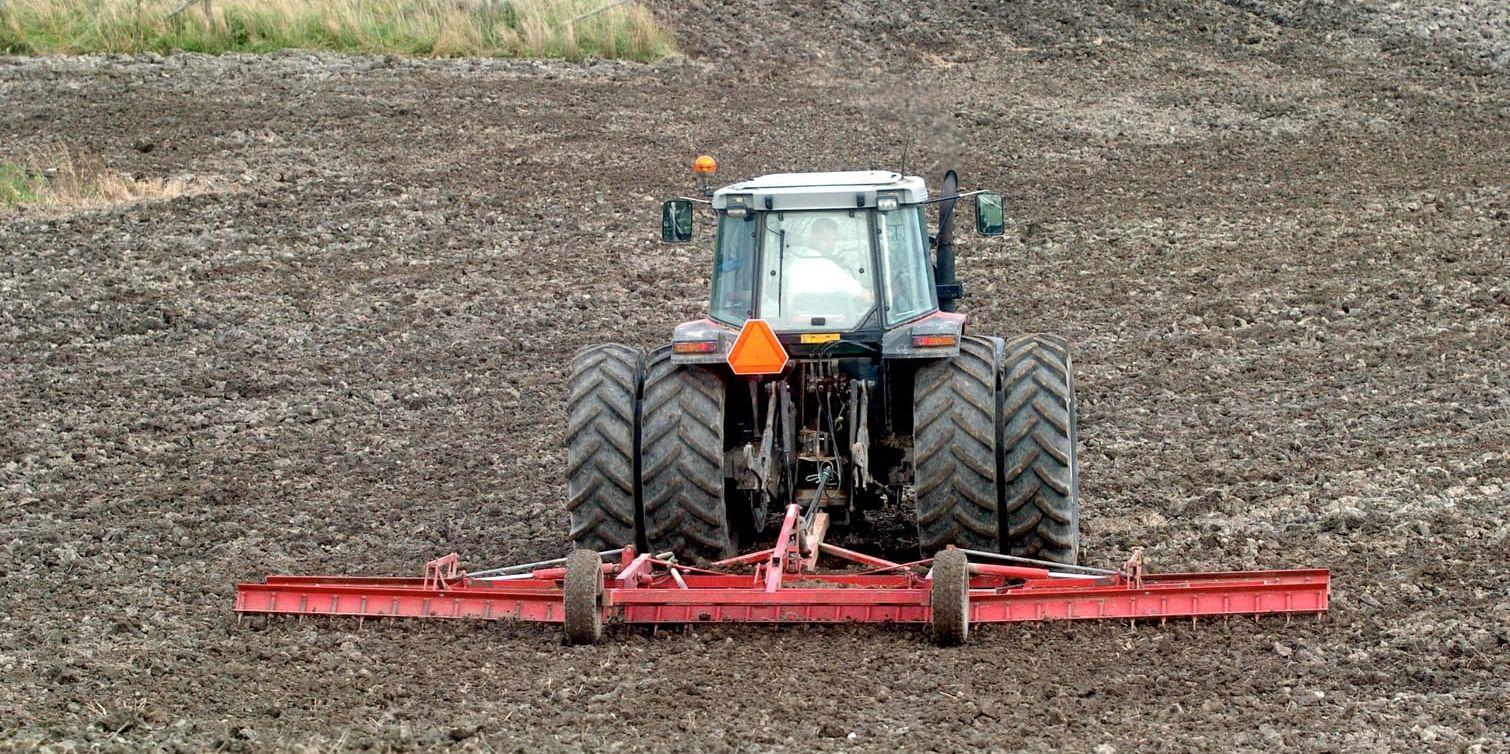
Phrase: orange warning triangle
x=757 y=351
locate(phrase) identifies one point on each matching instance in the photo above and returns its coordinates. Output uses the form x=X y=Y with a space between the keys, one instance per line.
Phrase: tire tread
x=954 y=449
x=682 y=467
x=1040 y=478
x=600 y=435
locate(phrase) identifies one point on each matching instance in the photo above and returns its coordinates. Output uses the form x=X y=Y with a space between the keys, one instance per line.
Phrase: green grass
x=19 y=186
x=435 y=28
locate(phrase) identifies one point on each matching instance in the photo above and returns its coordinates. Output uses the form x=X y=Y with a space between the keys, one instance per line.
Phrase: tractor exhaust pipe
x=949 y=289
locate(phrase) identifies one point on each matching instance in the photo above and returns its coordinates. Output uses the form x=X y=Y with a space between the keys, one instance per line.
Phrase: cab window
x=816 y=270
x=733 y=270
x=903 y=244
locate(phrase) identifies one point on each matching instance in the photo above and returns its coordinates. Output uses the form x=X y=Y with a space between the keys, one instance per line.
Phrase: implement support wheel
x=949 y=596
x=583 y=595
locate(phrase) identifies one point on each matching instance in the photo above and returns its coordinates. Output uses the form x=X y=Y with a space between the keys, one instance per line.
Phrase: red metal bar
x=1010 y=572
x=1161 y=596
x=900 y=566
x=632 y=574
x=747 y=559
x=802 y=613
x=530 y=603
x=777 y=564
x=713 y=597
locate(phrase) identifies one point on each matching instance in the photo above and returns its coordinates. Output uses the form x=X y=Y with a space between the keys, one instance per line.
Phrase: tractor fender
x=897 y=343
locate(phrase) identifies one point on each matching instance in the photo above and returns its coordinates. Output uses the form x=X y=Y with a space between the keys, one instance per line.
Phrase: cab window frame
x=931 y=289
x=879 y=311
x=865 y=320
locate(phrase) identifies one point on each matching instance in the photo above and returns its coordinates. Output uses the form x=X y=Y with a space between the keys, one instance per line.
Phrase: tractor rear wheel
x=949 y=598
x=582 y=596
x=954 y=449
x=682 y=460
x=1040 y=481
x=600 y=446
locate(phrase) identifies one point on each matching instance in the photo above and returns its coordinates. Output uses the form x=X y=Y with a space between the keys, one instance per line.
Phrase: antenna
x=905 y=145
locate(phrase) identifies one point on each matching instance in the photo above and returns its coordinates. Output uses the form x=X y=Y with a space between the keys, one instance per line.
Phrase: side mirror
x=676 y=221
x=990 y=220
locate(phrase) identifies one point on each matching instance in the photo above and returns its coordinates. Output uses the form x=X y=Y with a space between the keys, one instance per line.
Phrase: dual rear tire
x=994 y=449
x=1040 y=476
x=994 y=459
x=682 y=447
x=645 y=450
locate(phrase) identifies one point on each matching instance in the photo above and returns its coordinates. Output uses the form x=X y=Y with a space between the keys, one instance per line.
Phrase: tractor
x=833 y=371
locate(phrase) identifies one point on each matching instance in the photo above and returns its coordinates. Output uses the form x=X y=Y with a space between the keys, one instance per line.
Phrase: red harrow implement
x=781 y=584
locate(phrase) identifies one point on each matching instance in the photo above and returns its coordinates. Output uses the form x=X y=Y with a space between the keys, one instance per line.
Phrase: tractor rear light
x=695 y=346
x=934 y=341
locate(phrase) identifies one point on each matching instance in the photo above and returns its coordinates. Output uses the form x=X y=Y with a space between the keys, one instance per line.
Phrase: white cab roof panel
x=840 y=190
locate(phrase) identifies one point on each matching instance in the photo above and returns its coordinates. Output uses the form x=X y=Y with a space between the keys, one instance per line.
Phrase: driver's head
x=825 y=234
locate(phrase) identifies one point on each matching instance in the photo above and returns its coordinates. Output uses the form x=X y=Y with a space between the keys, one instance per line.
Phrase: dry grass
x=66 y=180
x=440 y=28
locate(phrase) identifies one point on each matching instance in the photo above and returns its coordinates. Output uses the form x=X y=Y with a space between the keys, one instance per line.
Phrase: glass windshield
x=734 y=269
x=904 y=264
x=816 y=272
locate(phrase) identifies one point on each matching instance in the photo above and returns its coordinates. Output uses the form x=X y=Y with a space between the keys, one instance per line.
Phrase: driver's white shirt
x=818 y=274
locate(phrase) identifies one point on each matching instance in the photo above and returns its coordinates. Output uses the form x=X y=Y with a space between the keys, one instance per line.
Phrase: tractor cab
x=840 y=252
x=822 y=251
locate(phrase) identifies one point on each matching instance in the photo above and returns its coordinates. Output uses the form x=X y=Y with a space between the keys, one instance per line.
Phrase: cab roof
x=839 y=190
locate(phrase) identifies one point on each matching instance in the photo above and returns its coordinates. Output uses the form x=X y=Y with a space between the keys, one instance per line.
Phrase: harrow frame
x=782 y=584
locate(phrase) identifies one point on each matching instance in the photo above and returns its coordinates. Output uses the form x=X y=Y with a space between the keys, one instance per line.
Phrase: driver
x=823 y=240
